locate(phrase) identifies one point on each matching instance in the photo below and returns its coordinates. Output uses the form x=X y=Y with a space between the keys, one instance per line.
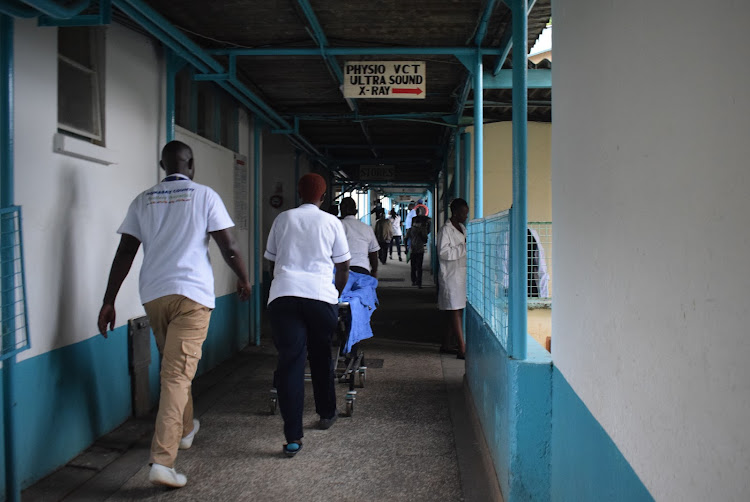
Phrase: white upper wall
x=71 y=207
x=650 y=184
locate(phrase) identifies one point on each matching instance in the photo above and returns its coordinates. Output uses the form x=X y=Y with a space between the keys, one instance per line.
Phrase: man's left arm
x=121 y=264
x=230 y=251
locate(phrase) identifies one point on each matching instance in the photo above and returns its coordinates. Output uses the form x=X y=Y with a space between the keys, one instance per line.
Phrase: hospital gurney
x=345 y=365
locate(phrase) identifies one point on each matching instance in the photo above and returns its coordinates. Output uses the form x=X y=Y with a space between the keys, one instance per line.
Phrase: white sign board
x=385 y=79
x=404 y=198
x=377 y=172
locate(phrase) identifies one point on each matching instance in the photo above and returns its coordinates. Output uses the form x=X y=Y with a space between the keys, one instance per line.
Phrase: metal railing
x=540 y=264
x=488 y=266
x=15 y=325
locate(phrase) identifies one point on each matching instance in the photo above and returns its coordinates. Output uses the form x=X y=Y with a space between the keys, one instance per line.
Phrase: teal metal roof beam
x=387 y=116
x=358 y=51
x=507 y=41
x=383 y=147
x=537 y=79
x=102 y=18
x=394 y=184
x=56 y=10
x=13 y=8
x=320 y=37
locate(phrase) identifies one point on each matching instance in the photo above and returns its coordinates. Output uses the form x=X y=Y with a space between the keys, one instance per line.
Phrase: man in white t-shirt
x=363 y=245
x=304 y=245
x=174 y=220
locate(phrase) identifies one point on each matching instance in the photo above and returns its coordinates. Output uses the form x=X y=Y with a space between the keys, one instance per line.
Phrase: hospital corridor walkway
x=411 y=436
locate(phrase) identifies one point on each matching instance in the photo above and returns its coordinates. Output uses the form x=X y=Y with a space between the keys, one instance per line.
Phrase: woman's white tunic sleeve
x=452 y=255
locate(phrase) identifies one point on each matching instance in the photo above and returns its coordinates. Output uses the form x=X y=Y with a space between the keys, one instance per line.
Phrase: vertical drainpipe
x=478 y=140
x=257 y=252
x=457 y=166
x=518 y=223
x=466 y=144
x=12 y=488
x=170 y=104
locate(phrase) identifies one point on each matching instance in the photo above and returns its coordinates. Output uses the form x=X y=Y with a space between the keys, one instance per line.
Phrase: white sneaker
x=165 y=476
x=187 y=441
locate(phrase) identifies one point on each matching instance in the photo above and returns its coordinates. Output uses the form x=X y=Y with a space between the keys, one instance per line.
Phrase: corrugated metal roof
x=304 y=86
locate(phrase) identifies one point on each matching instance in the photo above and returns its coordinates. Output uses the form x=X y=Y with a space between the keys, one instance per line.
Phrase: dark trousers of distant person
x=383 y=251
x=416 y=268
x=302 y=328
x=396 y=241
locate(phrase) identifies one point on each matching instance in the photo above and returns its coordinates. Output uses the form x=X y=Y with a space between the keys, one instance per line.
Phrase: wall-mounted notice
x=385 y=79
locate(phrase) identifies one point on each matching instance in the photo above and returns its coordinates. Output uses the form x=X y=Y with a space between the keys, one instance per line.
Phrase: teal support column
x=457 y=166
x=466 y=147
x=478 y=140
x=173 y=64
x=444 y=194
x=257 y=251
x=7 y=195
x=368 y=220
x=518 y=261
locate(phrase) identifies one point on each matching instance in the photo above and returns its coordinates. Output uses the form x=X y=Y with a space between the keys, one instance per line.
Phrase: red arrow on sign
x=416 y=91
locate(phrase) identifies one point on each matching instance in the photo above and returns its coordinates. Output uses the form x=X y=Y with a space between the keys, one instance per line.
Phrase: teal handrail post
x=478 y=140
x=12 y=485
x=257 y=252
x=518 y=217
x=466 y=147
x=457 y=166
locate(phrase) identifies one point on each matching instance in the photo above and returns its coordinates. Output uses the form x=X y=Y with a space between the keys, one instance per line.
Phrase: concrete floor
x=411 y=437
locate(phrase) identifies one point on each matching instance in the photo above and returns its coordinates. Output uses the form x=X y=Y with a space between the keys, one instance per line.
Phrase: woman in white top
x=303 y=247
x=451 y=246
x=395 y=220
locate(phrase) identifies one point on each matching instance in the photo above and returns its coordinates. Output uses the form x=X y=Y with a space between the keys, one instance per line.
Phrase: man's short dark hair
x=457 y=204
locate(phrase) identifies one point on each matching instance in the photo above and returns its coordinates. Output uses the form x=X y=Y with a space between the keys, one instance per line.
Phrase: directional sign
x=385 y=79
x=377 y=172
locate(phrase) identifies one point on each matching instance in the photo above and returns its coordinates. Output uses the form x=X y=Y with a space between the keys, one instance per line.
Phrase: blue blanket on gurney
x=360 y=293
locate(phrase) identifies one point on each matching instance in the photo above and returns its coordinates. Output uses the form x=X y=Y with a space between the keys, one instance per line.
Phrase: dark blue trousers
x=303 y=327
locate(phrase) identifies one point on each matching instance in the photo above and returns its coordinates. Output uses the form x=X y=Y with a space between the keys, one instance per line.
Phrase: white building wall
x=650 y=184
x=72 y=207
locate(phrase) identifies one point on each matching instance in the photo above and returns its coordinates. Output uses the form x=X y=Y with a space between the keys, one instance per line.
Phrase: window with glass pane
x=79 y=64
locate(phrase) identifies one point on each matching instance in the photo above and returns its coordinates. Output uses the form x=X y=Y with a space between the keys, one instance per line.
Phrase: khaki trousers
x=180 y=326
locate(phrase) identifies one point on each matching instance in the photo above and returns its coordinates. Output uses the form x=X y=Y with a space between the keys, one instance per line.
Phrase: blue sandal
x=291 y=449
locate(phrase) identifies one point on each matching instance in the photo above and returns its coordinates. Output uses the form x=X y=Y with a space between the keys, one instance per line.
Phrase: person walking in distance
x=384 y=234
x=174 y=220
x=395 y=220
x=420 y=228
x=304 y=245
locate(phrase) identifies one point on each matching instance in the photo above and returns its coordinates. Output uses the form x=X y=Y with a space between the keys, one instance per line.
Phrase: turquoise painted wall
x=513 y=400
x=70 y=396
x=587 y=466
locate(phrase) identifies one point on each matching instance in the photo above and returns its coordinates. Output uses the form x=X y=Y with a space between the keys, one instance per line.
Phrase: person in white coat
x=451 y=246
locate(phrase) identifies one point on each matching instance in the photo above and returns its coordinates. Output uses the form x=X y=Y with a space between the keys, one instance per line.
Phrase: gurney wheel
x=274 y=402
x=362 y=377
